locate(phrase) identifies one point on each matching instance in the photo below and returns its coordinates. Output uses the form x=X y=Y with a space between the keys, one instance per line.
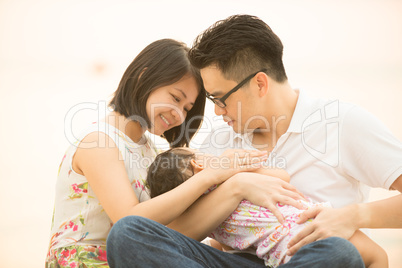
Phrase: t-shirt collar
x=305 y=107
x=303 y=111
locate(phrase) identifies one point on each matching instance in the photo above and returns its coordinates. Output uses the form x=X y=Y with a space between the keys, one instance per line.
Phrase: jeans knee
x=129 y=222
x=126 y=226
x=346 y=252
x=341 y=244
x=338 y=241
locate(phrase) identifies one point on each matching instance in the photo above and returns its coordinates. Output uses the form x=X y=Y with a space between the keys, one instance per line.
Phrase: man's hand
x=267 y=191
x=343 y=222
x=328 y=222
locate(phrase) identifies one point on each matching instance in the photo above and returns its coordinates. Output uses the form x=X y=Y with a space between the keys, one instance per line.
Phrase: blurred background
x=60 y=62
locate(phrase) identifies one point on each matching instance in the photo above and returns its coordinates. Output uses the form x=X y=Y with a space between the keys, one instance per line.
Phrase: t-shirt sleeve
x=369 y=152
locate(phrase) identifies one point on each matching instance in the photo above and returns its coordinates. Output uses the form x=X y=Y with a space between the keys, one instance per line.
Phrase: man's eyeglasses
x=221 y=101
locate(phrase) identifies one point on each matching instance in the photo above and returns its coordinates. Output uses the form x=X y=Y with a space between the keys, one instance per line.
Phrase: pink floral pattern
x=251 y=226
x=77 y=256
x=78 y=190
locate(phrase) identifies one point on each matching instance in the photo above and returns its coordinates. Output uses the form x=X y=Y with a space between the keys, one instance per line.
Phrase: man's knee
x=330 y=252
x=132 y=223
x=343 y=252
x=123 y=228
x=340 y=244
x=123 y=239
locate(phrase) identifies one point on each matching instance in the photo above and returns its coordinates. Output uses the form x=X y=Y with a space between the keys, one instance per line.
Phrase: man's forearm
x=385 y=213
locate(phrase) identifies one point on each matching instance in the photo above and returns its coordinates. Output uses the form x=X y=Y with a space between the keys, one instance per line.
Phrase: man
x=332 y=150
x=241 y=65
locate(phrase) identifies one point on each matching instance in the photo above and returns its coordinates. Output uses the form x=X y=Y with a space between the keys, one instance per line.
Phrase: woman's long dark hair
x=161 y=63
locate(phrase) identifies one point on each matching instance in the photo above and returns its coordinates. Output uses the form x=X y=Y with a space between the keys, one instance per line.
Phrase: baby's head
x=170 y=169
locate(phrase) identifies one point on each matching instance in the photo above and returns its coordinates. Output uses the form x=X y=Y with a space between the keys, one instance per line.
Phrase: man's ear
x=197 y=167
x=263 y=83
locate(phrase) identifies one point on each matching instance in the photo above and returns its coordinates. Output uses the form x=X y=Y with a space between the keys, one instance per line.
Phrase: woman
x=101 y=178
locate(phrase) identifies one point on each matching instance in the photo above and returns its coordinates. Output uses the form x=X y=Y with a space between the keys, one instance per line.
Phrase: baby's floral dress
x=256 y=230
x=80 y=225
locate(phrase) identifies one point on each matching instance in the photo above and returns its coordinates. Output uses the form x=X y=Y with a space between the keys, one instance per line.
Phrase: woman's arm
x=108 y=178
x=274 y=172
x=212 y=209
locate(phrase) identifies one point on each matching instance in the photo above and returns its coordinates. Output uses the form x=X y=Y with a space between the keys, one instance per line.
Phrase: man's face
x=240 y=106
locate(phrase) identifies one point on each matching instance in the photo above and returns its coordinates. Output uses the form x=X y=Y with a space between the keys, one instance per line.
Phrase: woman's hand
x=232 y=162
x=267 y=191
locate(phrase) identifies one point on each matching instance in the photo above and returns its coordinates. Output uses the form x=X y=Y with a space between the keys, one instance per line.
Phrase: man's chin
x=237 y=129
x=241 y=130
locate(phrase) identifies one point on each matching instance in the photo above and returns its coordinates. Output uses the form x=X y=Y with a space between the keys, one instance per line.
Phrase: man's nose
x=219 y=110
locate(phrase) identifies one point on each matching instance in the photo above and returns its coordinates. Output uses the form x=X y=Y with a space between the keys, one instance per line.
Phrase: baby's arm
x=373 y=255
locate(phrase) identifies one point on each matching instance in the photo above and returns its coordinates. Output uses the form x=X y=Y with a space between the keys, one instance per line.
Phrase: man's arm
x=367 y=166
x=385 y=213
x=201 y=218
x=343 y=222
x=397 y=185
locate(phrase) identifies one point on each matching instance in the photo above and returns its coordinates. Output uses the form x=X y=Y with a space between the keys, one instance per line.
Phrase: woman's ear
x=197 y=167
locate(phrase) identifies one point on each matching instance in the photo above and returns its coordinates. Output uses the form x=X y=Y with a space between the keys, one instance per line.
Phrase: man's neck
x=279 y=113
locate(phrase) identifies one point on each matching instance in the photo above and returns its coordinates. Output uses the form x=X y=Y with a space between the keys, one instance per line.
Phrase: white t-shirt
x=332 y=150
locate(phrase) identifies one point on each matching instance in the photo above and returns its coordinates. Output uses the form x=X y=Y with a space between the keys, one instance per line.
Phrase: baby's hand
x=232 y=162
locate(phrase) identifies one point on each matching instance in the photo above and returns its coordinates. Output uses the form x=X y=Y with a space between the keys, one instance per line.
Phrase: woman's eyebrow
x=184 y=94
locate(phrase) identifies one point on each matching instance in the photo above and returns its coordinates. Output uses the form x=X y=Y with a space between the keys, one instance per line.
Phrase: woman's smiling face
x=167 y=106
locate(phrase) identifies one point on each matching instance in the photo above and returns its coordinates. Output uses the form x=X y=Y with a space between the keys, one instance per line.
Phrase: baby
x=250 y=227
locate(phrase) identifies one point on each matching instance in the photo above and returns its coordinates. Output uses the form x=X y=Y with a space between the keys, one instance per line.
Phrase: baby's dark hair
x=170 y=169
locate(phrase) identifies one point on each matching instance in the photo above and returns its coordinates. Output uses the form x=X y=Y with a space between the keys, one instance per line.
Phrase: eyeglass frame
x=220 y=102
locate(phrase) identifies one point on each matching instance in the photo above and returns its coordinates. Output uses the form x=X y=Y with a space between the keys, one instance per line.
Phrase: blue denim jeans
x=139 y=242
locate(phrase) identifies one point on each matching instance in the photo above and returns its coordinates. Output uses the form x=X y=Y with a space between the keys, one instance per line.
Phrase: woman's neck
x=131 y=128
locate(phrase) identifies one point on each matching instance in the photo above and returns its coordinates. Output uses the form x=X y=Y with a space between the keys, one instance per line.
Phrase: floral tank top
x=80 y=225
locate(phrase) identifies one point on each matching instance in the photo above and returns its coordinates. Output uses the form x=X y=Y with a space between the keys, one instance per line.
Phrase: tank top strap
x=121 y=140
